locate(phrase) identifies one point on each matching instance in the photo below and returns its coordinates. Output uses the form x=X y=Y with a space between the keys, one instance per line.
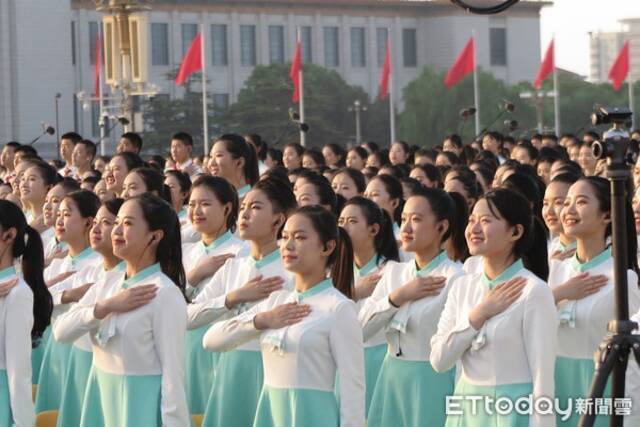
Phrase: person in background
x=130 y=142
x=83 y=153
x=181 y=150
x=67 y=143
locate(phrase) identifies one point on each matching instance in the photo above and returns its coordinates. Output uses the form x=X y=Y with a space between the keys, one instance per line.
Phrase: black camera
x=606 y=115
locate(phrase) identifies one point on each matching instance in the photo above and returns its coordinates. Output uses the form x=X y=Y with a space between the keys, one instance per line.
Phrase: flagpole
x=205 y=118
x=476 y=94
x=101 y=123
x=556 y=92
x=631 y=102
x=303 y=135
x=392 y=112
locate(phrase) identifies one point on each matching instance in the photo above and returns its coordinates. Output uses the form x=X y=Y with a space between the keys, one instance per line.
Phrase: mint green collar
x=218 y=242
x=435 y=262
x=242 y=191
x=568 y=247
x=267 y=259
x=121 y=266
x=138 y=277
x=592 y=263
x=504 y=276
x=7 y=272
x=82 y=255
x=325 y=284
x=366 y=269
x=182 y=214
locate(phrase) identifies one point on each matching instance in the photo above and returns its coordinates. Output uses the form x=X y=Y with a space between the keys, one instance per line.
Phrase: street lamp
x=538 y=97
x=57 y=103
x=358 y=108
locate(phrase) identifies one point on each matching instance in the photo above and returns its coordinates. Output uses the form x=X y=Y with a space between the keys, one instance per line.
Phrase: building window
x=498 y=46
x=276 y=44
x=248 y=45
x=220 y=101
x=331 y=47
x=93 y=36
x=189 y=32
x=409 y=47
x=305 y=37
x=159 y=44
x=381 y=45
x=358 y=51
x=219 y=44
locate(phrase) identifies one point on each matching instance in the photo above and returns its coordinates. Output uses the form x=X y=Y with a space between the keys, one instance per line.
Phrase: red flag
x=98 y=65
x=192 y=61
x=294 y=73
x=465 y=63
x=620 y=67
x=546 y=66
x=386 y=74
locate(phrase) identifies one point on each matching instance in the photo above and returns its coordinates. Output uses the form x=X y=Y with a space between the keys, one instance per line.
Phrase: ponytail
x=342 y=268
x=535 y=259
x=457 y=225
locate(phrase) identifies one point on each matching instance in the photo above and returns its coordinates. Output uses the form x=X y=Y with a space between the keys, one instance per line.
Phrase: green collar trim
x=367 y=268
x=325 y=284
x=266 y=260
x=432 y=265
x=242 y=191
x=504 y=276
x=224 y=238
x=82 y=255
x=138 y=277
x=592 y=263
x=7 y=273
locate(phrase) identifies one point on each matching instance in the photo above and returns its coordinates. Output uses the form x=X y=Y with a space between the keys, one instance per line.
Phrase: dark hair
x=432 y=172
x=394 y=188
x=469 y=184
x=528 y=187
x=566 y=178
x=157 y=162
x=455 y=139
x=134 y=139
x=27 y=246
x=132 y=160
x=12 y=144
x=68 y=184
x=159 y=215
x=183 y=180
x=88 y=203
x=384 y=241
x=323 y=189
x=356 y=176
x=338 y=151
x=225 y=193
x=27 y=150
x=488 y=157
x=238 y=147
x=113 y=205
x=90 y=146
x=341 y=259
x=183 y=137
x=154 y=181
x=361 y=152
x=281 y=197
x=406 y=148
x=532 y=245
x=497 y=136
x=258 y=143
x=451 y=207
x=48 y=173
x=299 y=149
x=452 y=157
x=532 y=151
x=429 y=153
x=275 y=154
x=411 y=184
x=91 y=180
x=316 y=155
x=372 y=146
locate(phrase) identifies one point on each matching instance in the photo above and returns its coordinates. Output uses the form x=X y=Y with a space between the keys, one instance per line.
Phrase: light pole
x=538 y=98
x=358 y=108
x=57 y=104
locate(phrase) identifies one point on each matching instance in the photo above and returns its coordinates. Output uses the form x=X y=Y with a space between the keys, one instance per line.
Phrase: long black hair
x=238 y=147
x=394 y=188
x=160 y=215
x=225 y=193
x=532 y=245
x=27 y=246
x=341 y=259
x=384 y=241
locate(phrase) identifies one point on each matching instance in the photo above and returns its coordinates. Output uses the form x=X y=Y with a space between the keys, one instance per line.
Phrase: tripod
x=613 y=353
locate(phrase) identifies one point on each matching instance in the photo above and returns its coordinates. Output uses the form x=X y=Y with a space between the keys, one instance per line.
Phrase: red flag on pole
x=546 y=66
x=98 y=65
x=192 y=61
x=294 y=73
x=464 y=64
x=620 y=67
x=386 y=74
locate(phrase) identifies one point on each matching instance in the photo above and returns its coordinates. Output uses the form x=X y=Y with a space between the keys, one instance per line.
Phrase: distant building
x=603 y=50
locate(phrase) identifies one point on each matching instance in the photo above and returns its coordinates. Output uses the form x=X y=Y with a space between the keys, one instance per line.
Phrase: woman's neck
x=424 y=257
x=6 y=260
x=362 y=255
x=495 y=264
x=260 y=249
x=36 y=208
x=209 y=238
x=135 y=267
x=565 y=240
x=109 y=260
x=76 y=247
x=306 y=281
x=238 y=181
x=589 y=247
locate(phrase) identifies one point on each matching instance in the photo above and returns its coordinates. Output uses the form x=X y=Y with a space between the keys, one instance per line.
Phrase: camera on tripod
x=615 y=144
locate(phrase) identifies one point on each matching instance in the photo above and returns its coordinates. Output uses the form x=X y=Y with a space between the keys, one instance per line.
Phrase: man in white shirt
x=67 y=143
x=181 y=148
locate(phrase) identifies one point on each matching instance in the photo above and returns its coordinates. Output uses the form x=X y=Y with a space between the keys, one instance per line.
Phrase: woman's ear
x=328 y=248
x=517 y=232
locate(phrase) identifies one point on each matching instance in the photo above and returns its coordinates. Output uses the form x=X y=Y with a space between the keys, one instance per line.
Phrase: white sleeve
x=540 y=327
x=454 y=334
x=347 y=348
x=209 y=305
x=230 y=334
x=79 y=320
x=169 y=332
x=58 y=289
x=18 y=356
x=377 y=310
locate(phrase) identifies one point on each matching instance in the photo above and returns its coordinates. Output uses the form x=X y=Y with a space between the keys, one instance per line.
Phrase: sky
x=572 y=20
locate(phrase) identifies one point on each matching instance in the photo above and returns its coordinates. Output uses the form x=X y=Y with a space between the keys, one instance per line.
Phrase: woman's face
x=544 y=171
x=70 y=225
x=581 y=215
x=456 y=186
x=309 y=163
x=419 y=227
x=100 y=165
x=301 y=249
x=552 y=205
x=330 y=158
x=207 y=214
x=397 y=155
x=574 y=153
x=373 y=161
x=452 y=147
x=177 y=195
x=130 y=236
x=291 y=159
x=115 y=174
x=377 y=192
x=355 y=224
x=222 y=163
x=488 y=234
x=52 y=204
x=443 y=160
x=32 y=187
x=306 y=194
x=100 y=235
x=101 y=191
x=586 y=160
x=355 y=161
x=133 y=186
x=256 y=219
x=345 y=186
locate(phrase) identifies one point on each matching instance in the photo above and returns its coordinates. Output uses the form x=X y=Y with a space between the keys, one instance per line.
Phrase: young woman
x=308 y=336
x=499 y=323
x=386 y=192
x=53 y=248
x=36 y=182
x=560 y=245
x=427 y=174
x=236 y=286
x=75 y=219
x=81 y=355
x=406 y=303
x=357 y=158
x=137 y=323
x=292 y=156
x=235 y=160
x=315 y=189
x=586 y=160
x=348 y=183
x=145 y=180
x=25 y=312
x=179 y=185
x=399 y=153
x=213 y=210
x=119 y=167
x=334 y=155
x=374 y=247
x=583 y=287
x=313 y=159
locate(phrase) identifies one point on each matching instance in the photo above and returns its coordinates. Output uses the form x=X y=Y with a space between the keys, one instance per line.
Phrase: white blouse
x=408 y=328
x=308 y=354
x=16 y=322
x=149 y=340
x=515 y=346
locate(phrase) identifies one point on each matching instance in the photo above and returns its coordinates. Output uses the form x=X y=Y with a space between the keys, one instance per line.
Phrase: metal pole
x=57 y=99
x=631 y=104
x=392 y=112
x=358 y=130
x=303 y=135
x=476 y=92
x=556 y=100
x=205 y=118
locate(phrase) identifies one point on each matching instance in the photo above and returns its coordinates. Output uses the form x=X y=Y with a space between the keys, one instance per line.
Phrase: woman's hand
x=579 y=287
x=416 y=289
x=59 y=278
x=75 y=294
x=255 y=289
x=496 y=301
x=365 y=286
x=58 y=253
x=561 y=256
x=281 y=316
x=207 y=268
x=125 y=301
x=5 y=287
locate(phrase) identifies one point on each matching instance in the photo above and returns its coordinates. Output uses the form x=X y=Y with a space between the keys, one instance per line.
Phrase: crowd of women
x=307 y=287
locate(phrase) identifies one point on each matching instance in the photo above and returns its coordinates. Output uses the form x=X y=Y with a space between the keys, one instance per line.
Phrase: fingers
x=6 y=287
x=294 y=312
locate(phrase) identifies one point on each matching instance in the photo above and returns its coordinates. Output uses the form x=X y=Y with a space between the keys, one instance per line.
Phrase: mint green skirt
x=373 y=359
x=53 y=371
x=573 y=380
x=480 y=417
x=37 y=353
x=235 y=391
x=6 y=418
x=410 y=394
x=200 y=370
x=282 y=407
x=121 y=400
x=75 y=384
